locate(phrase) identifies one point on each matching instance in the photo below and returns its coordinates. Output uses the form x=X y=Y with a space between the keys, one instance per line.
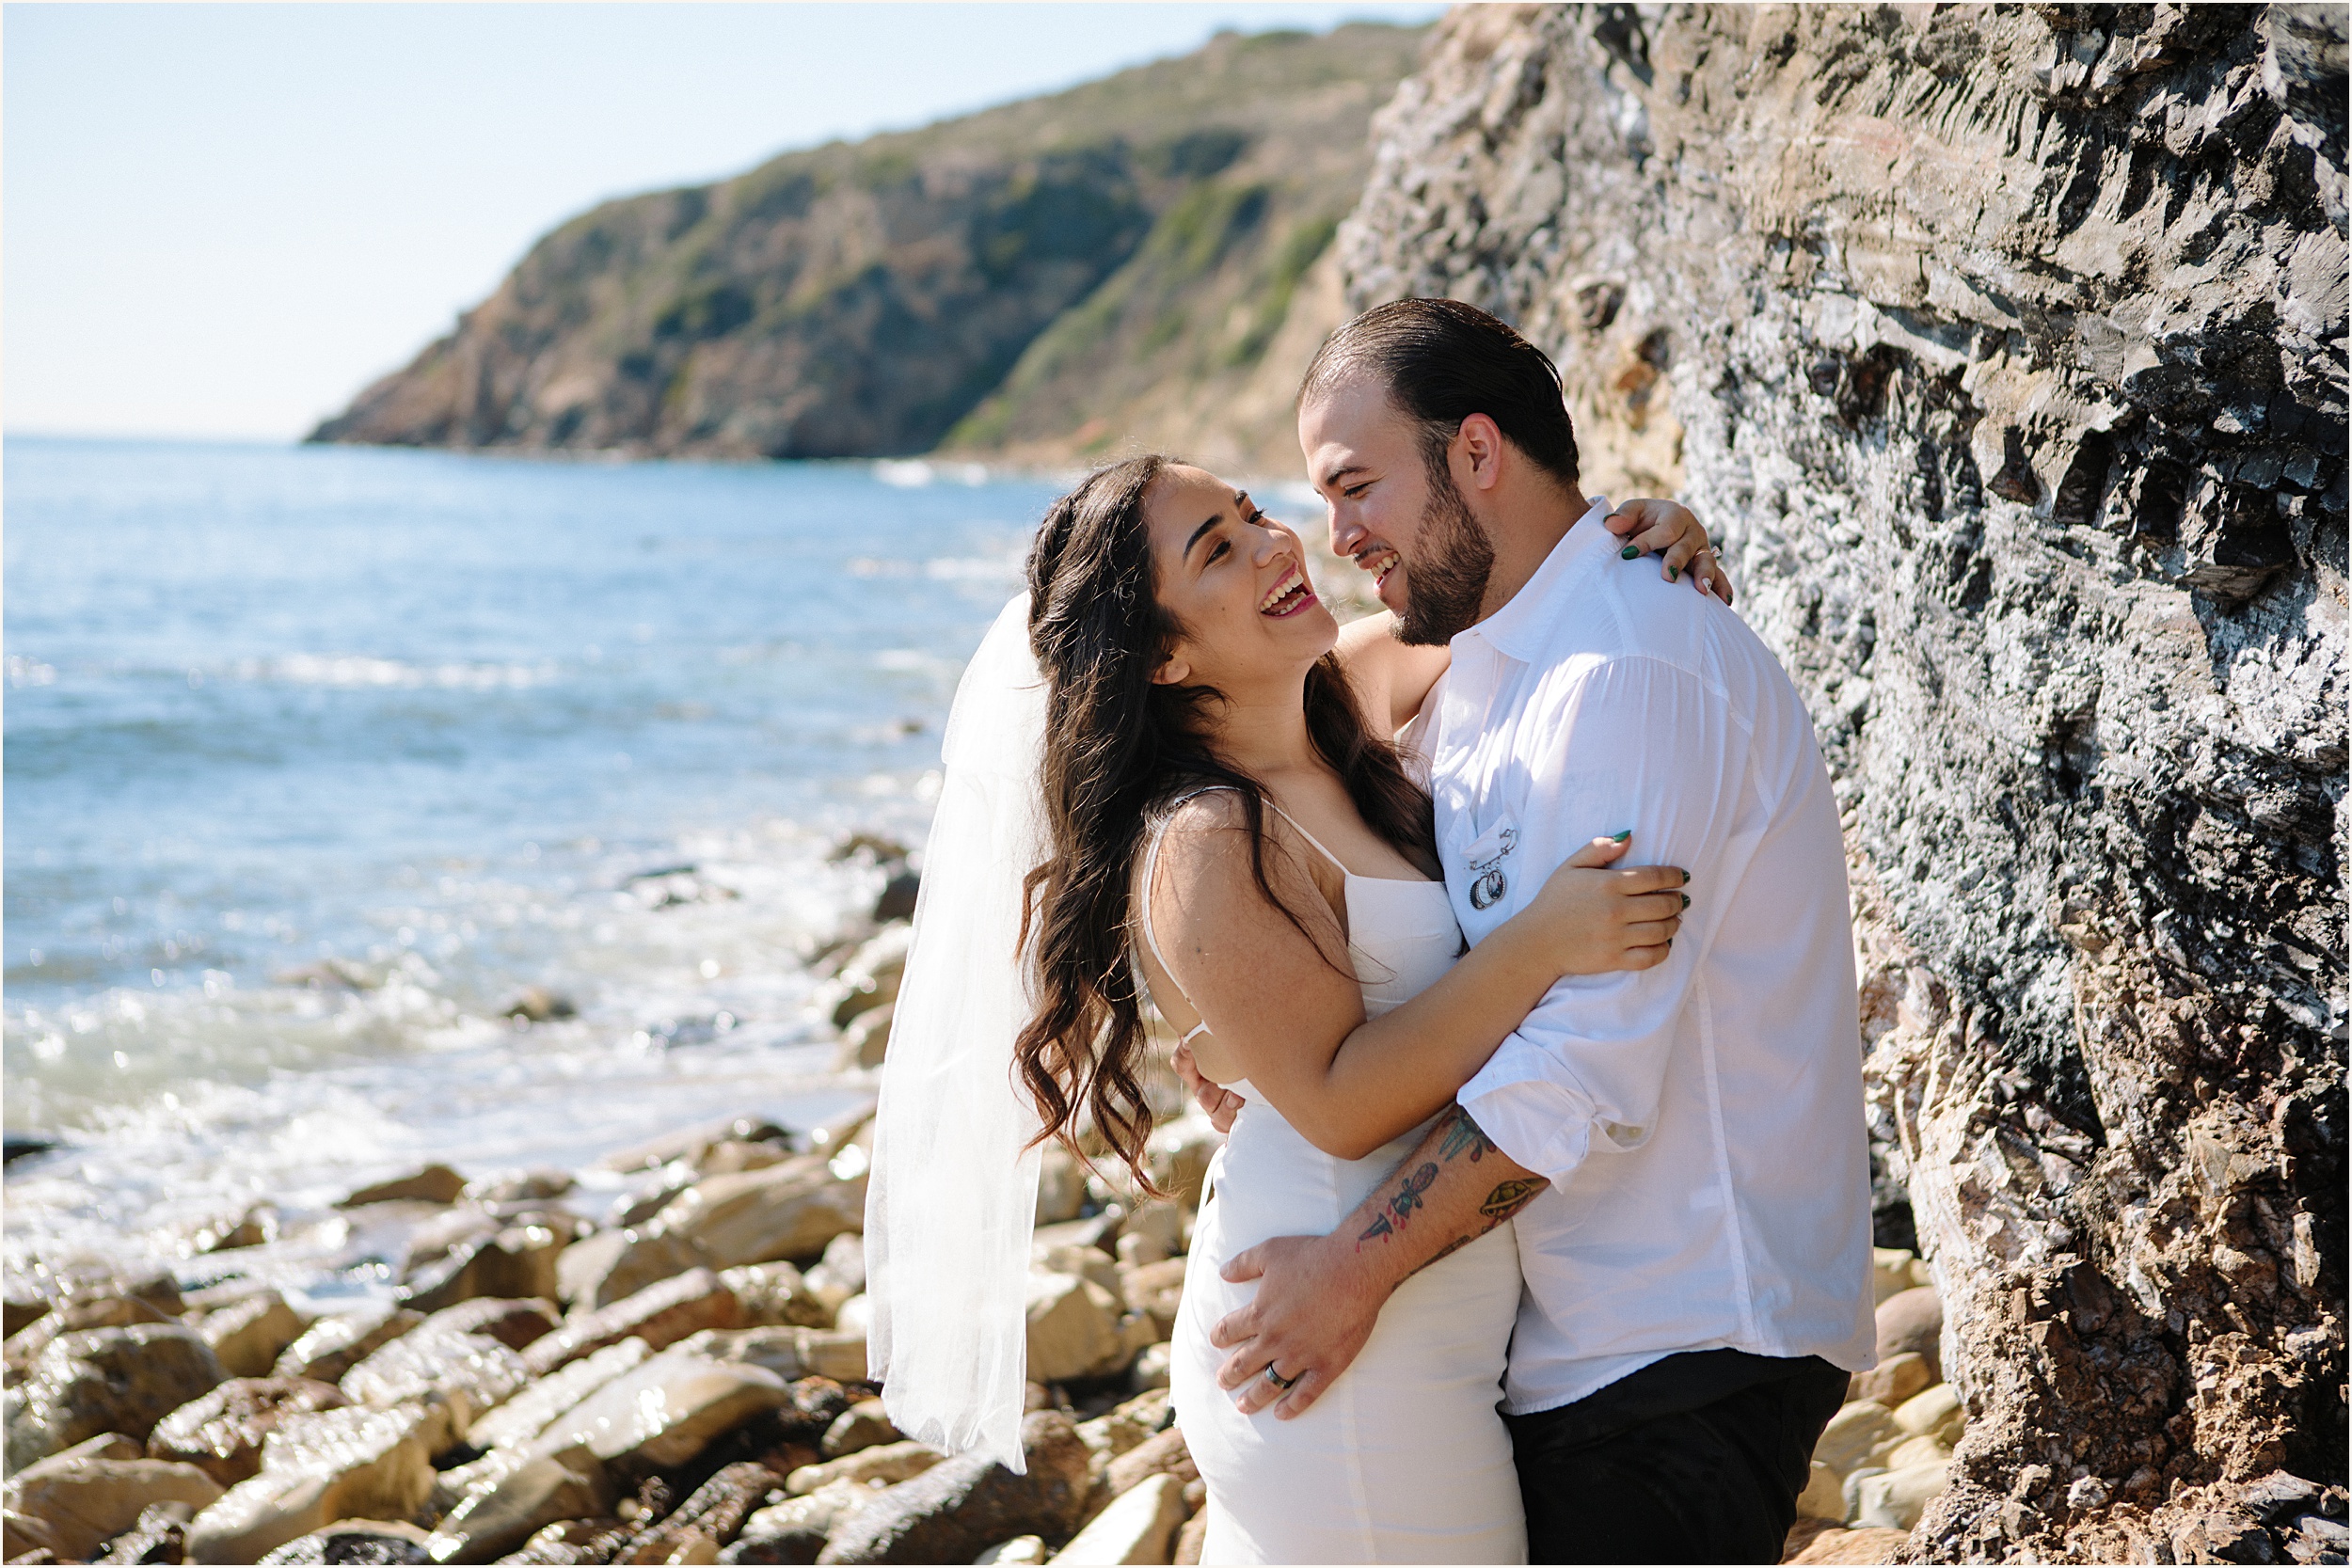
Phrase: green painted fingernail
x=1686 y=900
x=1672 y=573
x=1620 y=838
x=1686 y=879
x=1628 y=552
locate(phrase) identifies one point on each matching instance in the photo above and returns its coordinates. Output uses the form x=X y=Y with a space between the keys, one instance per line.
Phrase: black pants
x=1697 y=1458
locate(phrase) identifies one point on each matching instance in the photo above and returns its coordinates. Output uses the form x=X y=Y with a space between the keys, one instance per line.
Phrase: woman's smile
x=1288 y=596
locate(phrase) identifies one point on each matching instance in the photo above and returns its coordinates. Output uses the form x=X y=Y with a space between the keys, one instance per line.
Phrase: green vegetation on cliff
x=1112 y=263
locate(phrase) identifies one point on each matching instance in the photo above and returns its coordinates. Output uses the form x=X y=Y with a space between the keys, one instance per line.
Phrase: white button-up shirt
x=1701 y=1122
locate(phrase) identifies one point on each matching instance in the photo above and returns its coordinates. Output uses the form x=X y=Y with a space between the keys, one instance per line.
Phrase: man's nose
x=1345 y=535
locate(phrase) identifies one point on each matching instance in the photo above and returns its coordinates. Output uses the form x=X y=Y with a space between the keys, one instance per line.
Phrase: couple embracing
x=1541 y=1232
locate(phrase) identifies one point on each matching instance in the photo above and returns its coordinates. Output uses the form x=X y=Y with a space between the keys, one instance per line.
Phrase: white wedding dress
x=1404 y=1458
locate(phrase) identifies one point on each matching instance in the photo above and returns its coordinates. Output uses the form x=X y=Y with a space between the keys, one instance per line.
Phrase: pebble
x=1912 y=1321
x=1895 y=1379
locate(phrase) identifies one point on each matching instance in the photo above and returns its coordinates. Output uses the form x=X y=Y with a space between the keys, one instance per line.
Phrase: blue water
x=314 y=757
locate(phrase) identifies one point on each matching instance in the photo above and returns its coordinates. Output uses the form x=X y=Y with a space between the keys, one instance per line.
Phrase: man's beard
x=1445 y=579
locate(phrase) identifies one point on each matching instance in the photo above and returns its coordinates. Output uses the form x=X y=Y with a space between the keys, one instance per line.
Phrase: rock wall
x=2004 y=348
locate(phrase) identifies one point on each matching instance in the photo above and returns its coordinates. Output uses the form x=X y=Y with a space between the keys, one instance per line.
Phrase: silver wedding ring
x=1277 y=1379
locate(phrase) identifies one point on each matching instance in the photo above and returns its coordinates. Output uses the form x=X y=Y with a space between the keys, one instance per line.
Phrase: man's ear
x=1479 y=444
x=1170 y=670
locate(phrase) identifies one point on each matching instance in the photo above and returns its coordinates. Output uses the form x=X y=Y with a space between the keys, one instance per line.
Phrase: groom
x=1682 y=1147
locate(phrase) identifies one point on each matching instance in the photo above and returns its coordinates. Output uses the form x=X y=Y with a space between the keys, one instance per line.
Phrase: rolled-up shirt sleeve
x=1633 y=743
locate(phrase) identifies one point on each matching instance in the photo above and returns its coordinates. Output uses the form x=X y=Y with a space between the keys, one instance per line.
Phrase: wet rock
x=789 y=1211
x=101 y=1380
x=525 y=1415
x=428 y=1184
x=889 y=1463
x=96 y=1312
x=866 y=1040
x=870 y=979
x=469 y=1373
x=251 y=1335
x=711 y=1517
x=333 y=1345
x=864 y=1425
x=775 y=1294
x=1139 y=1526
x=160 y=1534
x=898 y=897
x=222 y=1431
x=659 y=1314
x=1895 y=1498
x=538 y=1004
x=573 y=1541
x=519 y=1261
x=956 y=1508
x=613 y=1265
x=502 y=1515
x=1895 y=1379
x=514 y=1322
x=85 y=1500
x=356 y=1540
x=1913 y=1322
x=316 y=1469
x=840 y=1274
x=661 y=1414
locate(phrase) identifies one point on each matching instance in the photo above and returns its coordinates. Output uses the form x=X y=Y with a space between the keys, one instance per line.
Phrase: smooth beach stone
x=472 y=1373
x=870 y=978
x=1912 y=1321
x=887 y=1462
x=1087 y=1263
x=356 y=1541
x=1853 y=1433
x=1824 y=1495
x=961 y=1507
x=663 y=1413
x=333 y=1345
x=514 y=1322
x=856 y=1315
x=528 y=1413
x=1935 y=1413
x=1890 y=1273
x=508 y=1510
x=1139 y=1526
x=249 y=1335
x=788 y=1211
x=101 y=1380
x=839 y=1275
x=222 y=1431
x=518 y=1261
x=1895 y=1379
x=434 y=1184
x=1072 y=1327
x=864 y=1425
x=1157 y=1289
x=86 y=1501
x=732 y=1156
x=775 y=1294
x=1020 y=1549
x=613 y=1265
x=103 y=1312
x=348 y=1464
x=1894 y=1500
x=660 y=1314
x=1914 y=1451
x=1164 y=1454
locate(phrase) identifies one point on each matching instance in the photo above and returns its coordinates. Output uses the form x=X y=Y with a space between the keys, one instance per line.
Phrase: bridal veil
x=951 y=1205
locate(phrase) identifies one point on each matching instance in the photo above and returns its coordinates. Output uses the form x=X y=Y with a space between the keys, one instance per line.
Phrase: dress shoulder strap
x=1150 y=867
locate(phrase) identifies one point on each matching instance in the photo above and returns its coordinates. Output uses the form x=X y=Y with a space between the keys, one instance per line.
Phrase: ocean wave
x=360 y=671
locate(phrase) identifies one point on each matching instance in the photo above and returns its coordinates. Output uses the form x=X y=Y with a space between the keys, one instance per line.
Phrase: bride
x=1198 y=802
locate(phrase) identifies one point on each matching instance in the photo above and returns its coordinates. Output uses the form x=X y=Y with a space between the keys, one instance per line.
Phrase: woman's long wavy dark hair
x=1117 y=746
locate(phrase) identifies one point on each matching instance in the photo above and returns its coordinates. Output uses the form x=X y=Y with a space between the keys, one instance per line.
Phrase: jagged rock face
x=1076 y=256
x=2004 y=347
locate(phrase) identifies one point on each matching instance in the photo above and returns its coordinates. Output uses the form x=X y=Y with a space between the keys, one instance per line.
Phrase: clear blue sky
x=224 y=219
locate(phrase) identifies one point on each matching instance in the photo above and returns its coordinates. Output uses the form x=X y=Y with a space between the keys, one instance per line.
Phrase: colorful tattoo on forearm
x=1461 y=1134
x=1398 y=1211
x=1510 y=1198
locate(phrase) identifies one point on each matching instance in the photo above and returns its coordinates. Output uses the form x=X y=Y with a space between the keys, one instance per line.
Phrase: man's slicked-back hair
x=1441 y=361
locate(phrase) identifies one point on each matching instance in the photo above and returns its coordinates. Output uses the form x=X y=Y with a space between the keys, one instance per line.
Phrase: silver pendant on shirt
x=1489 y=882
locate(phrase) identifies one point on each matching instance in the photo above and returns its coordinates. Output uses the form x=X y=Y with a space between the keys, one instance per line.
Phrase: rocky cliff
x=2005 y=347
x=1133 y=259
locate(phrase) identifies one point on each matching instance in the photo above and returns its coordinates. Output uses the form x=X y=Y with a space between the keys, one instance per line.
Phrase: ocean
x=317 y=757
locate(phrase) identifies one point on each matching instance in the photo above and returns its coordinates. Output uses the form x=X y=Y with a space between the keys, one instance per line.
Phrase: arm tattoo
x=1463 y=1134
x=1509 y=1198
x=1399 y=1209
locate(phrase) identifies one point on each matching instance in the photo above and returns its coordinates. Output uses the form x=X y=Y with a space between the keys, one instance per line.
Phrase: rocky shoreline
x=682 y=1377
